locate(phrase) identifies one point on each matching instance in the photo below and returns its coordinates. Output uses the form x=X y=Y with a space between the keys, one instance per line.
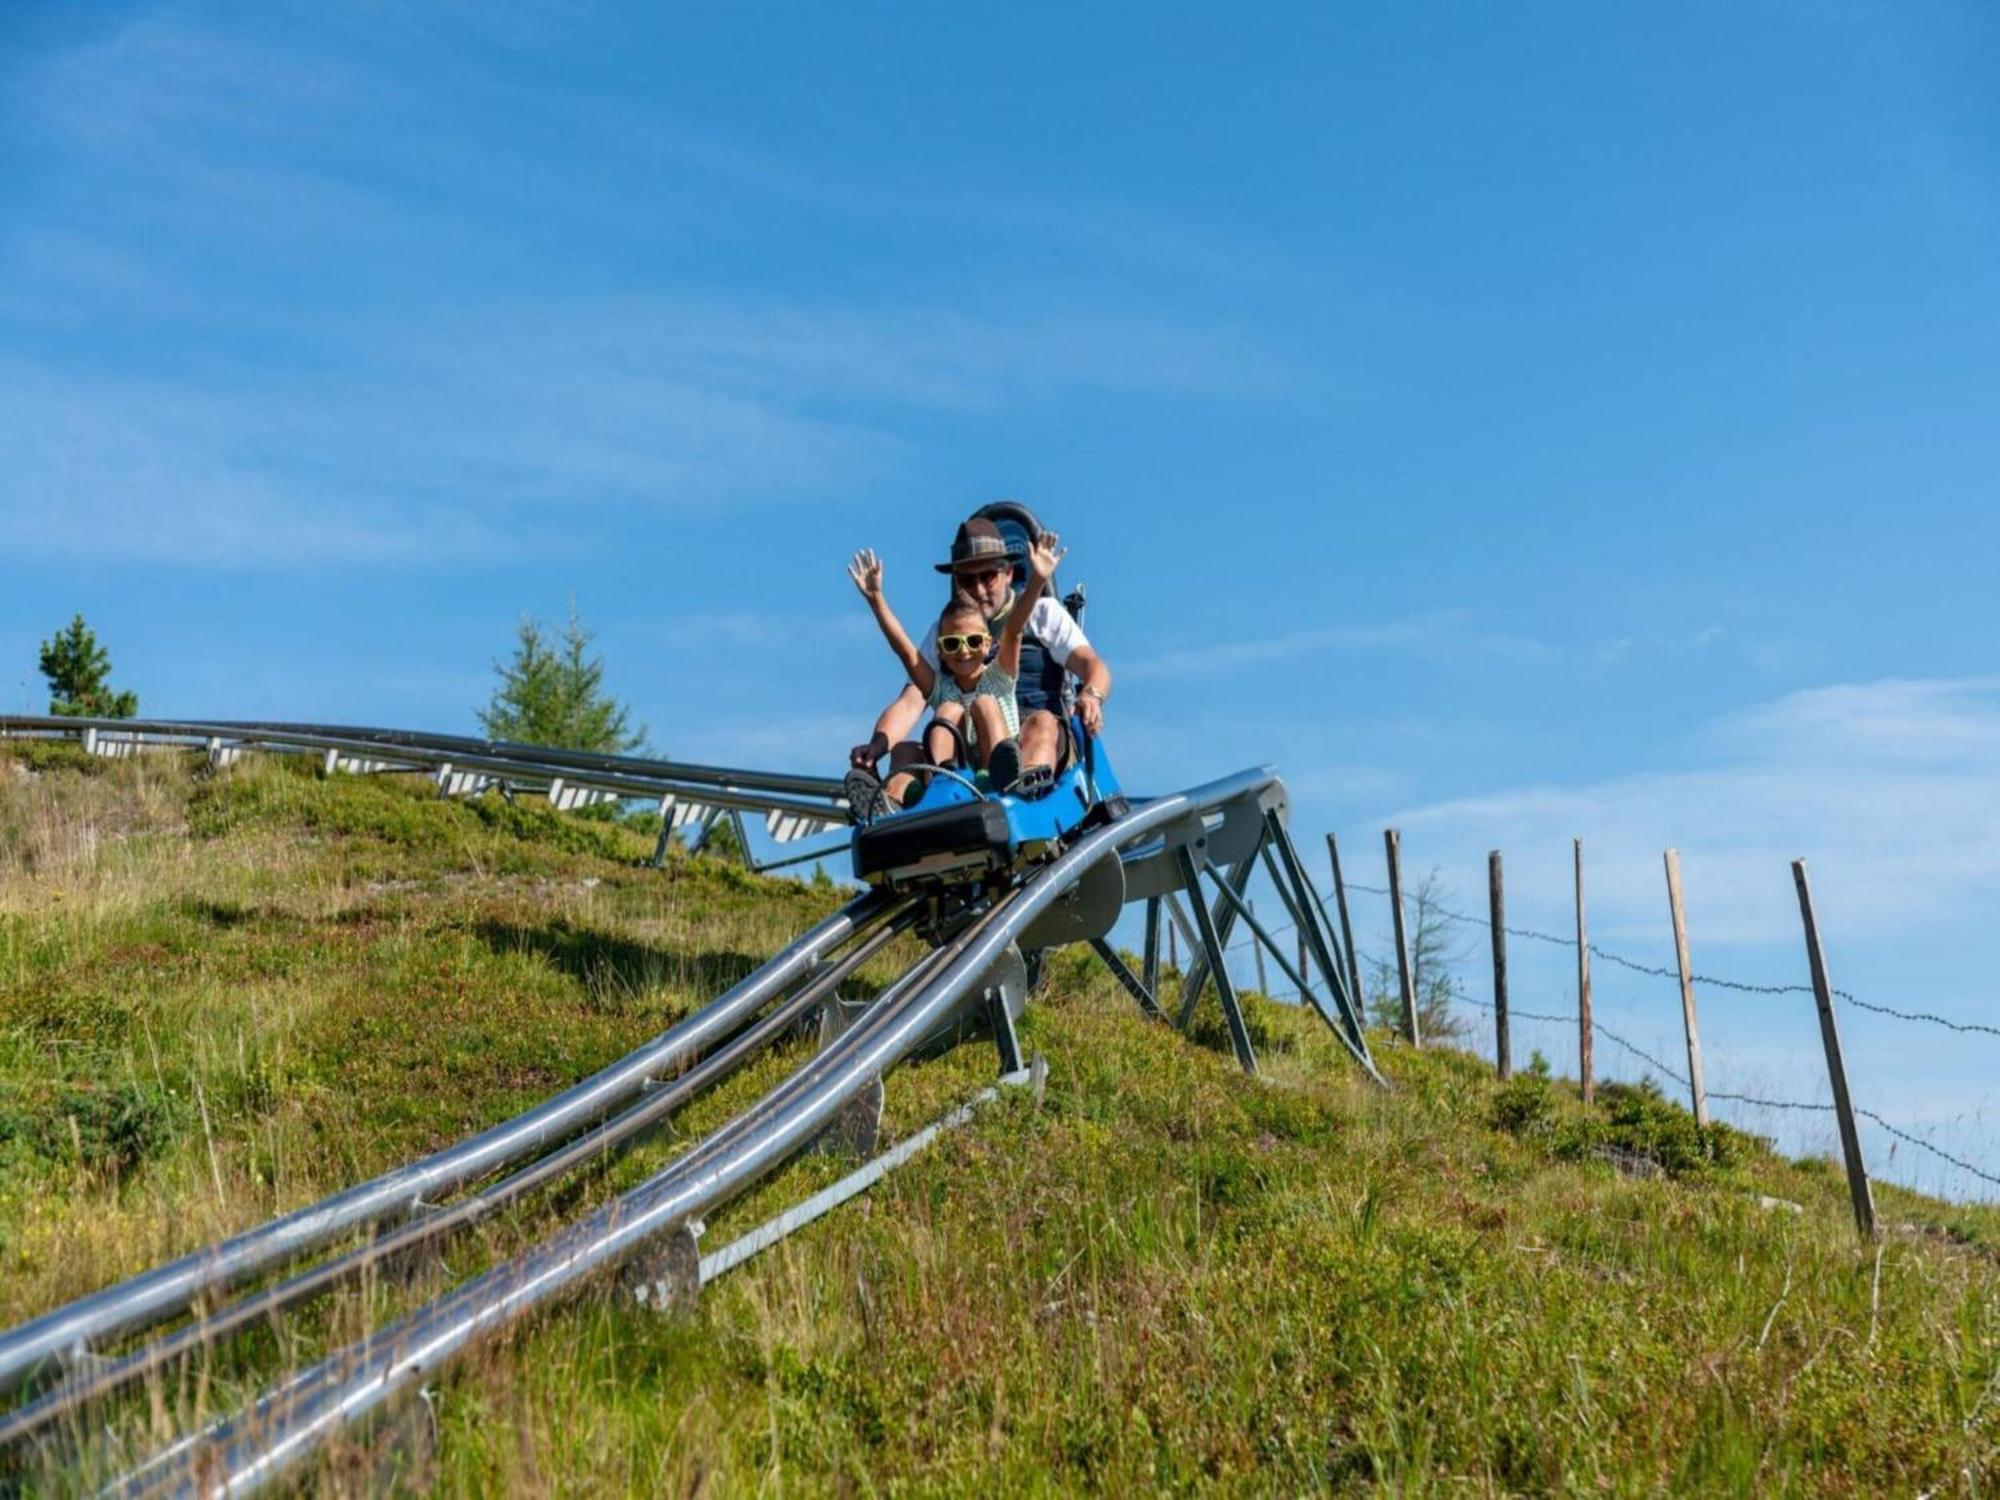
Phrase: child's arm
x=1043 y=556
x=866 y=571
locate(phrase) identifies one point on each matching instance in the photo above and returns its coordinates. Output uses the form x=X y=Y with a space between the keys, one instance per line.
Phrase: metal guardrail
x=577 y=760
x=792 y=806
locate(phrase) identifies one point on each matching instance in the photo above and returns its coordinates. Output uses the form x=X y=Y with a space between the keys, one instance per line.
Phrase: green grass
x=223 y=997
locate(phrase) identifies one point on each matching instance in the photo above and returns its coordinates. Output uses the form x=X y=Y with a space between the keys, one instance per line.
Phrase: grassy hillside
x=223 y=997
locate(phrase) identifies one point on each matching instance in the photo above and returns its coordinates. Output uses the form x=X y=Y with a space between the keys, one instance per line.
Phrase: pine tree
x=552 y=693
x=79 y=671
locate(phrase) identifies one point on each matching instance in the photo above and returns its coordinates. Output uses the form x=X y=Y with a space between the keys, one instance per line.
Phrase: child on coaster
x=972 y=699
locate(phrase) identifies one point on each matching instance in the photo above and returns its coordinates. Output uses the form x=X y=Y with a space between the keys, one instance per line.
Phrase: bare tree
x=1437 y=949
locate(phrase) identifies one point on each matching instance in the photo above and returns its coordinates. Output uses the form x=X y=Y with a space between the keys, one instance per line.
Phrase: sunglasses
x=981 y=575
x=952 y=645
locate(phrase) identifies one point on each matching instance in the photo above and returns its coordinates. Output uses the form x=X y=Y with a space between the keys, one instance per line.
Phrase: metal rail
x=255 y=1448
x=1150 y=853
x=95 y=1381
x=35 y=1347
x=580 y=760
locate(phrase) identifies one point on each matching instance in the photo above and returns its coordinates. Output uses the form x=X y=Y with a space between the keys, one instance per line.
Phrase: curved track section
x=244 y=1454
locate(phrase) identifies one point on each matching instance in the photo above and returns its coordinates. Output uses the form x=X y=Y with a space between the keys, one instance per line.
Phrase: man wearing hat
x=1053 y=649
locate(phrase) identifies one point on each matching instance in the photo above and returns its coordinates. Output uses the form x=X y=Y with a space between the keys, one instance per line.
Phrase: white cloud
x=1437 y=637
x=1891 y=790
x=371 y=417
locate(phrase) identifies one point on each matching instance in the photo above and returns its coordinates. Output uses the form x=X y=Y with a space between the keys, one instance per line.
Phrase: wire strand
x=1706 y=981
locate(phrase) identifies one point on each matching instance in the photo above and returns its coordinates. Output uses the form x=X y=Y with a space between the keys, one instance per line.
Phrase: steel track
x=1154 y=847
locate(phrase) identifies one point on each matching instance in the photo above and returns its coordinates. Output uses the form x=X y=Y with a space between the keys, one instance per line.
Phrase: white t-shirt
x=1051 y=624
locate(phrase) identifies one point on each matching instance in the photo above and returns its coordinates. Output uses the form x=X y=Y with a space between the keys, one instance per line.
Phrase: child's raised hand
x=866 y=571
x=1043 y=556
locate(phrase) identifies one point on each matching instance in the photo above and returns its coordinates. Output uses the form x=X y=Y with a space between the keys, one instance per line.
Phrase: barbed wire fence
x=1975 y=1029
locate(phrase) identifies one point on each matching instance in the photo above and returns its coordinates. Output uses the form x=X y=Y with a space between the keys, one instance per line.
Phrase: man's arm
x=1094 y=686
x=892 y=727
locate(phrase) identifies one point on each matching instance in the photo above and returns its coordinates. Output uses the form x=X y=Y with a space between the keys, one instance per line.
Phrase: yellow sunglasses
x=953 y=645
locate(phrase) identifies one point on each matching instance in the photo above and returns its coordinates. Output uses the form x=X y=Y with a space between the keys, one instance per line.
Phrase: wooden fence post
x=1836 y=1070
x=1498 y=904
x=1346 y=931
x=1392 y=842
x=1695 y=1085
x=1583 y=1028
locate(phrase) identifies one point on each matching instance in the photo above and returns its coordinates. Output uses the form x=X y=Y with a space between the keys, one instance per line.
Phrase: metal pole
x=1392 y=844
x=1288 y=875
x=1222 y=919
x=1257 y=953
x=1333 y=1019
x=1346 y=924
x=1584 y=1033
x=1125 y=977
x=1695 y=1085
x=1497 y=902
x=1152 y=954
x=1232 y=1013
x=1836 y=1070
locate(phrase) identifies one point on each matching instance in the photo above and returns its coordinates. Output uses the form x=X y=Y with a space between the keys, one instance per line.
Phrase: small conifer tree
x=1434 y=954
x=79 y=673
x=552 y=693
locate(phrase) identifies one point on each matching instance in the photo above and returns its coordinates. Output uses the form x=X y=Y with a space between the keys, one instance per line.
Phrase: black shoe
x=865 y=797
x=1003 y=766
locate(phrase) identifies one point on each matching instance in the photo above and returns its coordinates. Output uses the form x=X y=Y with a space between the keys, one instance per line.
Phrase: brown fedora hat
x=978 y=541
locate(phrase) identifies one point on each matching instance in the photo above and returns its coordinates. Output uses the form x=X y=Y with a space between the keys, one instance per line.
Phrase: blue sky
x=1512 y=422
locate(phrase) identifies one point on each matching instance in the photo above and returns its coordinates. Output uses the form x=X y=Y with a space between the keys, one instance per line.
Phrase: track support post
x=1214 y=933
x=1304 y=905
x=1134 y=986
x=1211 y=942
x=667 y=1273
x=1005 y=1038
x=1151 y=975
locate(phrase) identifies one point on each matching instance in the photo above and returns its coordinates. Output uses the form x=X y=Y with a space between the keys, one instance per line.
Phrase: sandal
x=1033 y=783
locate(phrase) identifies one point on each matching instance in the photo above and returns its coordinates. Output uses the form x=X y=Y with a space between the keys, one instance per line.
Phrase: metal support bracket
x=1306 y=992
x=1303 y=903
x=1137 y=988
x=1215 y=926
x=666 y=1274
x=1150 y=962
x=1232 y=1011
x=858 y=1126
x=80 y=1361
x=1005 y=1039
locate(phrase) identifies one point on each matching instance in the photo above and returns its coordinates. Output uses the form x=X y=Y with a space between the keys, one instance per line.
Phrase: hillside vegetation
x=222 y=997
